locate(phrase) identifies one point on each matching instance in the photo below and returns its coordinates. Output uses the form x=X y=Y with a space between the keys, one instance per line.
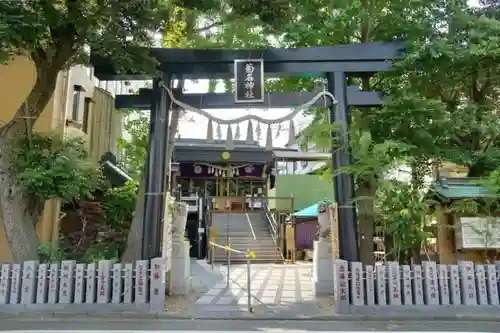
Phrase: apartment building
x=79 y=107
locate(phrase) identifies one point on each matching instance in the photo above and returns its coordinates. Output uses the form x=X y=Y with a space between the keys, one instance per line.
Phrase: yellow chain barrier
x=249 y=254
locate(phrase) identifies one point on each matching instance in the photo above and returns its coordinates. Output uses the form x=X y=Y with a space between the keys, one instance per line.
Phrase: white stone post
x=116 y=290
x=491 y=276
x=406 y=285
x=28 y=293
x=322 y=268
x=418 y=289
x=15 y=288
x=468 y=283
x=430 y=283
x=5 y=283
x=455 y=290
x=128 y=287
x=181 y=265
x=444 y=287
x=42 y=284
x=53 y=283
x=393 y=283
x=370 y=285
x=103 y=282
x=90 y=292
x=341 y=286
x=80 y=283
x=381 y=285
x=141 y=281
x=357 y=285
x=67 y=285
x=482 y=292
x=157 y=285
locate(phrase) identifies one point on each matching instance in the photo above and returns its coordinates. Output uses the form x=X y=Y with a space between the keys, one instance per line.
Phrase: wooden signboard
x=334 y=231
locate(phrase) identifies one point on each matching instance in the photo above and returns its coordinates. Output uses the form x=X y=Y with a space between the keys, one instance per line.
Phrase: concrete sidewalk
x=258 y=316
x=100 y=325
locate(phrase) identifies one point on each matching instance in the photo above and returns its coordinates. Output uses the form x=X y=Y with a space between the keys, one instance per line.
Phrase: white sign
x=141 y=282
x=478 y=233
x=357 y=291
x=5 y=284
x=42 y=284
x=406 y=285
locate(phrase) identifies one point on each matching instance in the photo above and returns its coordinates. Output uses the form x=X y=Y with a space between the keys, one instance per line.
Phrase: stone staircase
x=245 y=231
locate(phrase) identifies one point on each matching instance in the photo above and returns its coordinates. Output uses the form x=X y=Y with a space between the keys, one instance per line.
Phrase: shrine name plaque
x=249 y=81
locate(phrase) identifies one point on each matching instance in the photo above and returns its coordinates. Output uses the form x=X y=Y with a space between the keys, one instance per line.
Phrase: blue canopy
x=311 y=211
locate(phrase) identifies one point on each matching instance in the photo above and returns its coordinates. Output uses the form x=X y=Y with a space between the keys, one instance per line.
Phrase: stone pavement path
x=274 y=289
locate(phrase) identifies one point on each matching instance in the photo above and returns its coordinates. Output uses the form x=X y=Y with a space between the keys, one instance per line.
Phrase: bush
x=46 y=167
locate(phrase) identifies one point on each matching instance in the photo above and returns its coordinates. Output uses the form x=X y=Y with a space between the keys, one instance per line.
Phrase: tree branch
x=208 y=27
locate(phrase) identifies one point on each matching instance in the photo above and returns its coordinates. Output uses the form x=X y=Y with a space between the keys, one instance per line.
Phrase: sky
x=195 y=126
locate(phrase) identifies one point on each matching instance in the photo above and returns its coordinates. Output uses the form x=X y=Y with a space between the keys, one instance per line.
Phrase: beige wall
x=78 y=76
x=16 y=80
x=452 y=170
x=106 y=124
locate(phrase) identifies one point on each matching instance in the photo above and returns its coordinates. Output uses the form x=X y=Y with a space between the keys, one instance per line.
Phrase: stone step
x=244 y=241
x=255 y=249
x=242 y=232
x=267 y=257
x=244 y=260
x=252 y=246
x=257 y=235
x=242 y=255
x=256 y=261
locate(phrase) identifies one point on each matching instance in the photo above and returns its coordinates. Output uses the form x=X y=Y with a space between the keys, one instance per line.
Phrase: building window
x=77 y=94
x=86 y=113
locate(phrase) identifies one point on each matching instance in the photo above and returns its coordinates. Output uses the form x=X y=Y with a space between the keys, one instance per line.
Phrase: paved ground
x=279 y=289
x=134 y=324
x=270 y=284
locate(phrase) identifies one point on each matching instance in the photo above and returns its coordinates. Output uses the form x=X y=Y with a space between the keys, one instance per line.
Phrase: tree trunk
x=365 y=195
x=19 y=213
x=133 y=248
x=19 y=217
x=390 y=250
x=415 y=255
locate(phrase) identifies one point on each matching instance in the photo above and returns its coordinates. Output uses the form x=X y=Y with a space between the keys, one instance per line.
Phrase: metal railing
x=271 y=221
x=250 y=226
x=273 y=229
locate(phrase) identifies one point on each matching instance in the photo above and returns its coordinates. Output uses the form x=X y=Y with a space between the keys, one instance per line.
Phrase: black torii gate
x=336 y=63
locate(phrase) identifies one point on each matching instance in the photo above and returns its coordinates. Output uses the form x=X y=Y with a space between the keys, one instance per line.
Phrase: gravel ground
x=178 y=304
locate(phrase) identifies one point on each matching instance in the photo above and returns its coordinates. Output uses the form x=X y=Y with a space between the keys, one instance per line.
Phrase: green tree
x=55 y=35
x=487 y=210
x=340 y=22
x=134 y=146
x=442 y=96
x=187 y=28
x=403 y=216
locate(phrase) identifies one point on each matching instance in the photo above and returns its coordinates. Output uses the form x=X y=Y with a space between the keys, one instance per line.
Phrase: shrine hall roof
x=203 y=143
x=449 y=189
